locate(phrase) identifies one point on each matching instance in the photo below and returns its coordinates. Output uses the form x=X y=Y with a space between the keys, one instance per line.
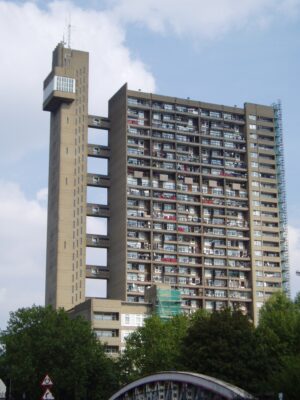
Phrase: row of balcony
x=228 y=294
x=178 y=122
x=184 y=109
x=191 y=156
x=209 y=273
x=205 y=132
x=144 y=193
x=190 y=186
x=191 y=227
x=187 y=249
x=164 y=257
x=240 y=223
x=209 y=166
x=214 y=265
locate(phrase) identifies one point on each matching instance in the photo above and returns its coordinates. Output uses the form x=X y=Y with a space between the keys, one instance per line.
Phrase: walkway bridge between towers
x=180 y=386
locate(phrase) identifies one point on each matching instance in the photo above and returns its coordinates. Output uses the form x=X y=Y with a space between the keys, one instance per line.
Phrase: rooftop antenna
x=69 y=32
x=63 y=42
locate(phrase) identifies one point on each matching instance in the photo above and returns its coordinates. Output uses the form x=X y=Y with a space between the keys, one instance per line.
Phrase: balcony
x=138 y=256
x=138 y=192
x=138 y=224
x=138 y=151
x=138 y=131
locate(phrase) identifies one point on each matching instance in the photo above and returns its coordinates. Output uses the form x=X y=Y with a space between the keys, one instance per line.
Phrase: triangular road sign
x=48 y=395
x=47 y=381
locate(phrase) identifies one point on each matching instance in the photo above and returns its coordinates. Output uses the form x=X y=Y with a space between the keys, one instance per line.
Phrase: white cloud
x=22 y=250
x=203 y=19
x=294 y=253
x=31 y=34
x=42 y=195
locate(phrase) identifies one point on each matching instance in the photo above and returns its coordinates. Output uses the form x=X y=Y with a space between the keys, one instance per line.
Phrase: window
x=64 y=84
x=132 y=319
x=105 y=316
x=169 y=247
x=60 y=83
x=215 y=114
x=218 y=261
x=265 y=119
x=107 y=332
x=111 y=349
x=252 y=117
x=254 y=155
x=252 y=126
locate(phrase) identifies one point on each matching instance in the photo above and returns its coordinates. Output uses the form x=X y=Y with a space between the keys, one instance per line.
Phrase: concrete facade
x=112 y=320
x=192 y=199
x=66 y=237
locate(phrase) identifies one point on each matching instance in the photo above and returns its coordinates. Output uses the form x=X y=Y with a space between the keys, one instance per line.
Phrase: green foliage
x=154 y=347
x=40 y=340
x=221 y=345
x=280 y=321
x=287 y=379
x=264 y=360
x=281 y=316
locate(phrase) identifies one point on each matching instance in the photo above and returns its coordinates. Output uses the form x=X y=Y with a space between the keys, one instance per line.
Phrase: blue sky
x=223 y=51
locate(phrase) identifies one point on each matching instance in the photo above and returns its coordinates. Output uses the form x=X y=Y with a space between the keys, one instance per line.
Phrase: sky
x=219 y=51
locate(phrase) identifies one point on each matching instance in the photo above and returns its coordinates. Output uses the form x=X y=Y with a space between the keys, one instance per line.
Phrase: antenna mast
x=69 y=33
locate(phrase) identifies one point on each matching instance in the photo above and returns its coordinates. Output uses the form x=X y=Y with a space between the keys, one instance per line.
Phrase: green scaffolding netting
x=168 y=303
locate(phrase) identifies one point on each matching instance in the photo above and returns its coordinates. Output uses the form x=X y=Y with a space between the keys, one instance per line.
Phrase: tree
x=287 y=379
x=154 y=347
x=281 y=316
x=221 y=344
x=297 y=301
x=40 y=341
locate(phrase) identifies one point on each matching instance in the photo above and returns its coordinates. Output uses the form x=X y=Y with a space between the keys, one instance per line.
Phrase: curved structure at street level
x=180 y=386
x=2 y=390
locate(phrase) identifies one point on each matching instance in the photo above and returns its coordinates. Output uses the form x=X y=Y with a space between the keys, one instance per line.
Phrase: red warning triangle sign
x=47 y=381
x=48 y=395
